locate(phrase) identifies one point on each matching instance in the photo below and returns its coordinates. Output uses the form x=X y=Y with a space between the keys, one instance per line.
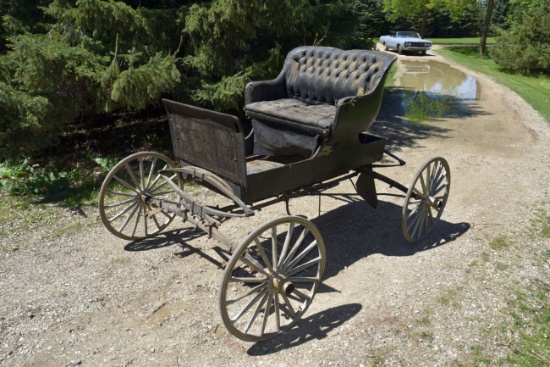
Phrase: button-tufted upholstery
x=314 y=84
x=317 y=75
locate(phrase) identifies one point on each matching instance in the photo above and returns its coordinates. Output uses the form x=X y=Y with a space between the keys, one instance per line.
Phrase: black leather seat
x=308 y=95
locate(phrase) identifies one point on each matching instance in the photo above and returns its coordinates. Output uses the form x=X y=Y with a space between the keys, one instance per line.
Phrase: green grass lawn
x=534 y=90
x=459 y=41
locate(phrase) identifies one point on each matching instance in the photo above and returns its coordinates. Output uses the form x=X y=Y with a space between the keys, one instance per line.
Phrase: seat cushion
x=293 y=111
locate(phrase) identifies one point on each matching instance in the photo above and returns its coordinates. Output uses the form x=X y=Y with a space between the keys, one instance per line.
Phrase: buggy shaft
x=209 y=228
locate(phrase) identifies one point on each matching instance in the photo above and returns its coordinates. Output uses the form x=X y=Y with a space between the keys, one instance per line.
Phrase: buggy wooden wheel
x=122 y=205
x=272 y=277
x=426 y=199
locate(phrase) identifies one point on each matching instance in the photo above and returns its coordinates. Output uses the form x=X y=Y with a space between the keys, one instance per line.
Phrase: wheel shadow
x=355 y=231
x=180 y=238
x=314 y=327
x=351 y=232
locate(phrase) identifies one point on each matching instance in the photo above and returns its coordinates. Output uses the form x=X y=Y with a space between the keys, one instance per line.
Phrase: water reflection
x=433 y=89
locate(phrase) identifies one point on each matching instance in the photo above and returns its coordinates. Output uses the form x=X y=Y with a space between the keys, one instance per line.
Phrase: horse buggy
x=309 y=132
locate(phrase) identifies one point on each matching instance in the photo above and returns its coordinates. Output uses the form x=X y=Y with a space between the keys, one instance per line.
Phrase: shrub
x=524 y=47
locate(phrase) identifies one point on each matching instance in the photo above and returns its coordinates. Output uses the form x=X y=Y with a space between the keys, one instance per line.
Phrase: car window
x=408 y=34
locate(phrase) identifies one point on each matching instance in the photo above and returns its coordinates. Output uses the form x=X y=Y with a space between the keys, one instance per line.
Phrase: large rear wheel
x=272 y=277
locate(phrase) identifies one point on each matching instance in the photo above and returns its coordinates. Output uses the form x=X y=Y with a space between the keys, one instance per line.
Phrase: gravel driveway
x=75 y=295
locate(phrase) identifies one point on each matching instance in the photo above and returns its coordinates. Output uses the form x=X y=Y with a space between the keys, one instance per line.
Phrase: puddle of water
x=433 y=89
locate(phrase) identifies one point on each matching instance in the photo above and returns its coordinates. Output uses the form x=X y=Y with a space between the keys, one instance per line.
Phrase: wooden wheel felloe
x=426 y=199
x=122 y=199
x=271 y=278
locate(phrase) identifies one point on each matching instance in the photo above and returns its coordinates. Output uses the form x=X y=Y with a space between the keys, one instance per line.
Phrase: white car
x=405 y=41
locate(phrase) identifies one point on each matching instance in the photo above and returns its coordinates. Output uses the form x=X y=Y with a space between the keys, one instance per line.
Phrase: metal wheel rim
x=255 y=302
x=120 y=206
x=432 y=183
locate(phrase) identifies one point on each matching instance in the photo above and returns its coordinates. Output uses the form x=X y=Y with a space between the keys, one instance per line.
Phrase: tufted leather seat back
x=323 y=75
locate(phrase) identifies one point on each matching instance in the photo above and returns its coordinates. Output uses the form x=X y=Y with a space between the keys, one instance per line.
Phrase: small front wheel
x=122 y=205
x=272 y=277
x=426 y=199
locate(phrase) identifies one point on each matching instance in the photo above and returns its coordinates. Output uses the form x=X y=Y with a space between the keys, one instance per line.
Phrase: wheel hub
x=282 y=285
x=432 y=201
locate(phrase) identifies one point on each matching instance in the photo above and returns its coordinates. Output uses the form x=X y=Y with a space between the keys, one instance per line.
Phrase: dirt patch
x=87 y=298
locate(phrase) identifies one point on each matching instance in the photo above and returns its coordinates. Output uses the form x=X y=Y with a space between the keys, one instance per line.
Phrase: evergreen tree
x=524 y=47
x=371 y=22
x=234 y=41
x=422 y=11
x=93 y=56
x=68 y=59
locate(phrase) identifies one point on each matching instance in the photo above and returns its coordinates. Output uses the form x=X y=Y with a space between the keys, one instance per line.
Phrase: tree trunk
x=485 y=27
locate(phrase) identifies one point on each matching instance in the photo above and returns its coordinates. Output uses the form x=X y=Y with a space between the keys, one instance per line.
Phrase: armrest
x=356 y=114
x=266 y=90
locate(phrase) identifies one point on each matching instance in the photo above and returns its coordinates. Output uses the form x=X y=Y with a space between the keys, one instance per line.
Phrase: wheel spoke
x=253 y=264
x=419 y=193
x=287 y=243
x=122 y=212
x=442 y=185
x=153 y=184
x=415 y=202
x=245 y=309
x=301 y=295
x=133 y=195
x=125 y=184
x=277 y=312
x=274 y=248
x=255 y=289
x=266 y=313
x=304 y=266
x=295 y=247
x=431 y=216
x=244 y=298
x=438 y=185
x=114 y=205
x=141 y=174
x=298 y=258
x=246 y=280
x=431 y=184
x=429 y=179
x=145 y=229
x=415 y=223
x=262 y=253
x=121 y=229
x=137 y=221
x=151 y=172
x=153 y=190
x=288 y=305
x=423 y=184
x=133 y=177
x=414 y=212
x=437 y=179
